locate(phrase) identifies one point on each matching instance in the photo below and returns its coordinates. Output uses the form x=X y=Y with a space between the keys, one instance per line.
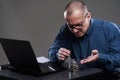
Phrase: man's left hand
x=93 y=57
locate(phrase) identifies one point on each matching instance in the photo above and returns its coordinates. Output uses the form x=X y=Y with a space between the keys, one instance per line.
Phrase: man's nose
x=75 y=30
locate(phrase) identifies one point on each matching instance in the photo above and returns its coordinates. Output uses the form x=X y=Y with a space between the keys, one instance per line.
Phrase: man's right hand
x=63 y=54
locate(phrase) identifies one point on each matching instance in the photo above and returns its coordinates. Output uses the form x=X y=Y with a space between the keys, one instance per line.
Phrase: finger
x=91 y=58
x=62 y=59
x=82 y=61
x=94 y=52
x=86 y=60
x=65 y=51
x=61 y=56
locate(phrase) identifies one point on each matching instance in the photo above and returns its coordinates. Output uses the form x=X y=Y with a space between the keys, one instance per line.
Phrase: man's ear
x=89 y=15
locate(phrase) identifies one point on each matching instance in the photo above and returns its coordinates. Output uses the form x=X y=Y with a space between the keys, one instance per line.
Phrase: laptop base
x=46 y=68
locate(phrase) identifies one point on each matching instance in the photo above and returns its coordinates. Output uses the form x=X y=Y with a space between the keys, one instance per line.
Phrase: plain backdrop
x=39 y=21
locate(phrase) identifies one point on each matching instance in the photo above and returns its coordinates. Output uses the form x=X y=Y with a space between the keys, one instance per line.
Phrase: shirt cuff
x=103 y=58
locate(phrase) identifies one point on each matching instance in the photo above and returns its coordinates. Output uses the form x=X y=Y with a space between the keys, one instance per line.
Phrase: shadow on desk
x=94 y=74
x=87 y=74
x=6 y=78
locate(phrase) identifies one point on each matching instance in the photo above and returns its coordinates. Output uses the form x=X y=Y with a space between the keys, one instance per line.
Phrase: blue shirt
x=101 y=35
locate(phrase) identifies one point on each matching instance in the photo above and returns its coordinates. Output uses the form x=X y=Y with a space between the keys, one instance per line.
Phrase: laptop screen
x=20 y=54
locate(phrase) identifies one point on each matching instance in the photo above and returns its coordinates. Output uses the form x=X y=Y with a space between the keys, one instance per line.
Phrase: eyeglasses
x=78 y=25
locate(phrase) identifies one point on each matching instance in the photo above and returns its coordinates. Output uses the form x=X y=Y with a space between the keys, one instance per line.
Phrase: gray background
x=38 y=21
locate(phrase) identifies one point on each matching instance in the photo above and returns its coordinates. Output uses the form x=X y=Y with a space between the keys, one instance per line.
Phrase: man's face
x=78 y=22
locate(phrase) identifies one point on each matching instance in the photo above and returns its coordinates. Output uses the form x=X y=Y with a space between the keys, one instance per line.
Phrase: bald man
x=91 y=42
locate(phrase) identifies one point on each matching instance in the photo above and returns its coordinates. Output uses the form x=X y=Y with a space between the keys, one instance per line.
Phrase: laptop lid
x=20 y=54
x=22 y=58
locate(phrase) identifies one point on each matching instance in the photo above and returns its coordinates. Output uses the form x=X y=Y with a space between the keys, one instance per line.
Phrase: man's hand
x=94 y=56
x=63 y=54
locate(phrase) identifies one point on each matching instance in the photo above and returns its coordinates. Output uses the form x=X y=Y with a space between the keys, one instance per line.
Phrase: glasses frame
x=72 y=27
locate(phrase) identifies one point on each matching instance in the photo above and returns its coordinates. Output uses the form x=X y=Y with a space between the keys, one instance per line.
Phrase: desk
x=63 y=75
x=92 y=74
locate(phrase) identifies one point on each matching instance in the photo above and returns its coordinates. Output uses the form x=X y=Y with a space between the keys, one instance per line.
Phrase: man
x=91 y=42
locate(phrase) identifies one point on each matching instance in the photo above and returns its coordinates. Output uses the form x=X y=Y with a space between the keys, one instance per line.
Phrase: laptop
x=22 y=58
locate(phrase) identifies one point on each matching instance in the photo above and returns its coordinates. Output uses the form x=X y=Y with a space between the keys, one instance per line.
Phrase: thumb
x=94 y=52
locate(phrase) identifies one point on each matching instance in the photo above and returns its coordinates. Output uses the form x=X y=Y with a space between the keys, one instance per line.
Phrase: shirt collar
x=90 y=29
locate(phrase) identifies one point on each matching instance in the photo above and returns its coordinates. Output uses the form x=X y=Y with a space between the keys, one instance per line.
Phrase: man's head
x=77 y=17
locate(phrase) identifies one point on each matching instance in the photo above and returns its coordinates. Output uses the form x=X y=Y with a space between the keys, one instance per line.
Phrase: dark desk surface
x=63 y=75
x=87 y=74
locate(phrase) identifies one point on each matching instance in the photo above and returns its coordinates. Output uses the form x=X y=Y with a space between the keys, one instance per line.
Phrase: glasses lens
x=79 y=25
